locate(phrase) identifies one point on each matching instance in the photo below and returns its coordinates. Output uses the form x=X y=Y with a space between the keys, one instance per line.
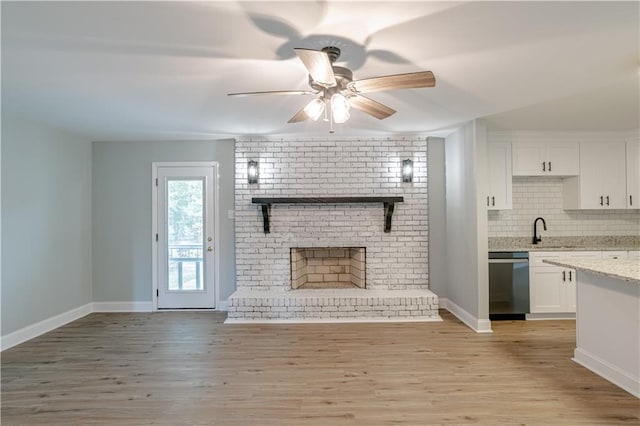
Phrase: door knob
x=209 y=238
x=209 y=248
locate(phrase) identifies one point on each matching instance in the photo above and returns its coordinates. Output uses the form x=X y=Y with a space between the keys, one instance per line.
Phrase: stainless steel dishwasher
x=508 y=285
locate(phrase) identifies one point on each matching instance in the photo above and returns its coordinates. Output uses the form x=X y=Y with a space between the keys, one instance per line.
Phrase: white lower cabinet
x=552 y=289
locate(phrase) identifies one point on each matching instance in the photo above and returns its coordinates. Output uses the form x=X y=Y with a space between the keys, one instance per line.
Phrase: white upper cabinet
x=499 y=196
x=546 y=158
x=633 y=174
x=602 y=183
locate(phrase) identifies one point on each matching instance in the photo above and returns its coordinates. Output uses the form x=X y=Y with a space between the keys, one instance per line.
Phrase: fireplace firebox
x=328 y=267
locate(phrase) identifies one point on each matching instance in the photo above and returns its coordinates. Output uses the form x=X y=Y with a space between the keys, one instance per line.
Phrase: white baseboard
x=122 y=306
x=551 y=316
x=44 y=326
x=223 y=305
x=610 y=372
x=477 y=325
x=35 y=330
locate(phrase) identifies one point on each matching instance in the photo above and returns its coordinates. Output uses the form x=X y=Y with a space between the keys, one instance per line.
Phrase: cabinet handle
x=601 y=200
x=487 y=201
x=564 y=276
x=607 y=200
x=493 y=201
x=630 y=200
x=549 y=165
x=569 y=275
x=544 y=165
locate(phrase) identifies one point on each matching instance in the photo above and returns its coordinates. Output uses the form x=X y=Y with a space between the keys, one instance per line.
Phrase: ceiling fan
x=338 y=91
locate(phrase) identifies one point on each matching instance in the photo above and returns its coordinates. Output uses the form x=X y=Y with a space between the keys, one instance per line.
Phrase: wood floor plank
x=180 y=368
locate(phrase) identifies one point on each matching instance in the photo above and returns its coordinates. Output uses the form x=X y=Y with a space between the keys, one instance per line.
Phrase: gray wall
x=46 y=222
x=437 y=216
x=122 y=213
x=467 y=269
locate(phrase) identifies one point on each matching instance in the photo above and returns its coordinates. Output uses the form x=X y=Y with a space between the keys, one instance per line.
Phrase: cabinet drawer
x=536 y=258
x=584 y=255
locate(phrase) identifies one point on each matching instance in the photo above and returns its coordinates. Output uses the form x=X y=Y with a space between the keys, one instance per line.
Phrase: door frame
x=154 y=226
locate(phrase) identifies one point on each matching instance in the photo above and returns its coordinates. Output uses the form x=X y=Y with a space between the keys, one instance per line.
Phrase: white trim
x=44 y=326
x=477 y=325
x=551 y=316
x=154 y=226
x=608 y=371
x=122 y=306
x=569 y=135
x=327 y=320
x=154 y=230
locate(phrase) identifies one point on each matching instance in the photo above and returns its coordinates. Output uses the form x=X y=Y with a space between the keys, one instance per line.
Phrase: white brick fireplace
x=396 y=270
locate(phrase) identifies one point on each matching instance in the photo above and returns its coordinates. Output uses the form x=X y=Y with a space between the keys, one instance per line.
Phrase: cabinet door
x=563 y=158
x=590 y=176
x=528 y=159
x=614 y=175
x=499 y=197
x=569 y=277
x=546 y=289
x=603 y=177
x=569 y=285
x=633 y=174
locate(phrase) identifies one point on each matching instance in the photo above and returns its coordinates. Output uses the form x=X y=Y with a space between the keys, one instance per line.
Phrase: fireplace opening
x=328 y=267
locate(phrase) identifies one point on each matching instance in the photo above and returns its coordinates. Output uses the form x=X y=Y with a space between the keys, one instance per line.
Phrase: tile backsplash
x=542 y=196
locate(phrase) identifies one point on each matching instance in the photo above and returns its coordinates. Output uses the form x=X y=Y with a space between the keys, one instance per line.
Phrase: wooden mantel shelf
x=388 y=202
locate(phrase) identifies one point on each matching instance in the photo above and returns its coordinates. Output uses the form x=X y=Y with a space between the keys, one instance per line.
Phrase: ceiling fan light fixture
x=314 y=109
x=339 y=108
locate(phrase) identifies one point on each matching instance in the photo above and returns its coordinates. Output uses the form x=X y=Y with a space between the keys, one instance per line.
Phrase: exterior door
x=185 y=236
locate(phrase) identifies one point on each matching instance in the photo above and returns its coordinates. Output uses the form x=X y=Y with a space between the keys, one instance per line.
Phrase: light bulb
x=314 y=109
x=339 y=108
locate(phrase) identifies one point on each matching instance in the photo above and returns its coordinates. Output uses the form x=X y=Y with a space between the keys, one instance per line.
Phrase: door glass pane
x=185 y=232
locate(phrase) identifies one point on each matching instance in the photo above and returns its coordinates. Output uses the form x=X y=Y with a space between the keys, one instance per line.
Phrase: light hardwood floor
x=180 y=368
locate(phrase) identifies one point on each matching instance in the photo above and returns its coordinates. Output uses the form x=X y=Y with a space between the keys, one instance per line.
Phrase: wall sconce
x=407 y=170
x=252 y=172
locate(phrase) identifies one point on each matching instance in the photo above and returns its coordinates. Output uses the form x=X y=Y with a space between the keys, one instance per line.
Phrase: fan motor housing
x=343 y=75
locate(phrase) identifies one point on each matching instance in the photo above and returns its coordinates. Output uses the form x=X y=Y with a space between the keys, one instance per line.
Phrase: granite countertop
x=623 y=269
x=594 y=243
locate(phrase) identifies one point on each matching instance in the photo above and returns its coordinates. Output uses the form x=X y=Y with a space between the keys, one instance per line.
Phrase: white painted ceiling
x=161 y=70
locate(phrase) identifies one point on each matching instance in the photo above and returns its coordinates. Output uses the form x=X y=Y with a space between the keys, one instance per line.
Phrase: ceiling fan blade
x=319 y=66
x=275 y=92
x=299 y=116
x=371 y=107
x=398 y=81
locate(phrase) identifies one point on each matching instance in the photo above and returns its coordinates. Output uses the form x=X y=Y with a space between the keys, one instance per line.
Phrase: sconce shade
x=252 y=172
x=407 y=170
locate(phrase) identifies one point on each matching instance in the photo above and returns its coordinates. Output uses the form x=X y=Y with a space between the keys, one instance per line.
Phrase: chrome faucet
x=537 y=239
